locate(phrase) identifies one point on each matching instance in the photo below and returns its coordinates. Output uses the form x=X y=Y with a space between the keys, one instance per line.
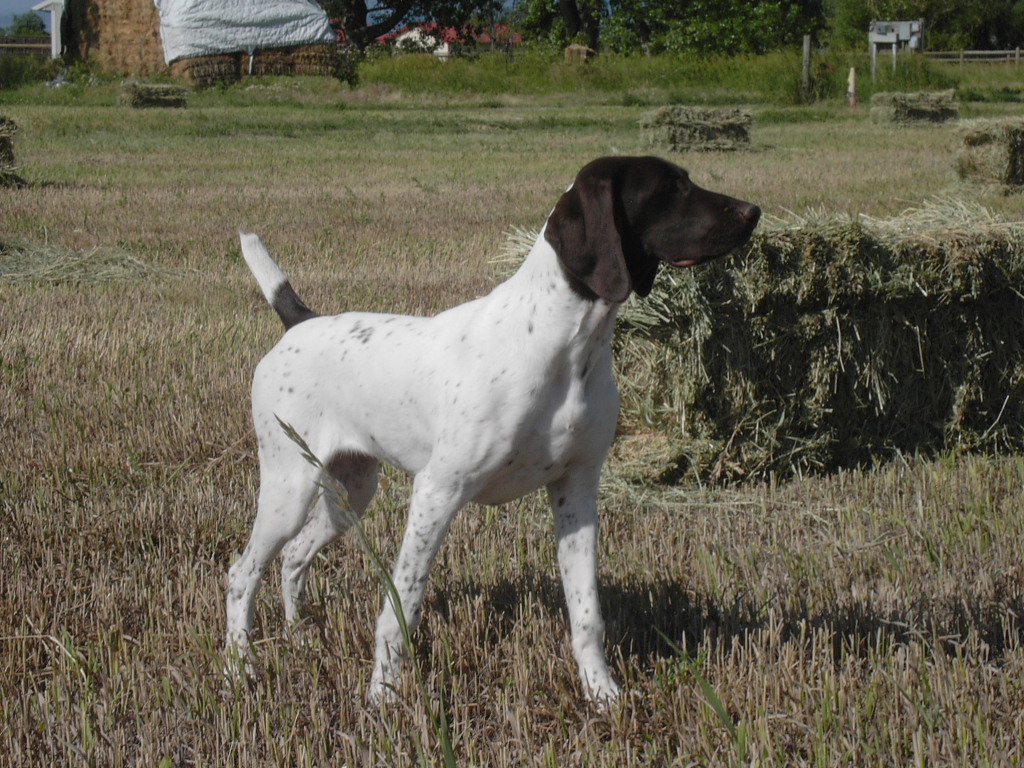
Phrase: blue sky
x=11 y=8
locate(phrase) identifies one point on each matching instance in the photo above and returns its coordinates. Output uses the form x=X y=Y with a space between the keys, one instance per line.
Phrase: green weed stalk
x=439 y=721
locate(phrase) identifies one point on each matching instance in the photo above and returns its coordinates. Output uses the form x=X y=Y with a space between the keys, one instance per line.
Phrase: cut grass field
x=871 y=617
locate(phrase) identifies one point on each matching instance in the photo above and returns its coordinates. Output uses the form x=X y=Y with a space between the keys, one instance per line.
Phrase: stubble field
x=866 y=618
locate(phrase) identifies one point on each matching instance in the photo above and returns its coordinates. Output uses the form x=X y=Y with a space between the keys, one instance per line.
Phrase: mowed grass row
x=869 y=618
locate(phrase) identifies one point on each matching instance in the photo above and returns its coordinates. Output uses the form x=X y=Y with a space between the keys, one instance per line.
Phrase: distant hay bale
x=7 y=130
x=831 y=342
x=139 y=95
x=8 y=166
x=992 y=152
x=696 y=129
x=923 y=106
x=578 y=54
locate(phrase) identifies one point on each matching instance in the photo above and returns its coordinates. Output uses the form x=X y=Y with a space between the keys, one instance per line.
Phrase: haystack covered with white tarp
x=197 y=28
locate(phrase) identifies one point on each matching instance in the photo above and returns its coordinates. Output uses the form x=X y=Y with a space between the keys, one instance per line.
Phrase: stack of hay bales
x=320 y=60
x=139 y=95
x=8 y=167
x=118 y=35
x=696 y=129
x=833 y=343
x=204 y=71
x=992 y=152
x=924 y=106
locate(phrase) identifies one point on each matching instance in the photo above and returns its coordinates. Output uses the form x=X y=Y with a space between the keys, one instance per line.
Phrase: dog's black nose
x=749 y=212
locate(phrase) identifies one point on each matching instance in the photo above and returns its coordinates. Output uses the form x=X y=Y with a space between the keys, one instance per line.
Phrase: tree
x=364 y=22
x=710 y=26
x=29 y=23
x=700 y=26
x=561 y=21
x=582 y=19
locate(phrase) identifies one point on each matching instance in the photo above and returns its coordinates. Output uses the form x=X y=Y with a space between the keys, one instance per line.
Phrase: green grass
x=774 y=78
x=865 y=618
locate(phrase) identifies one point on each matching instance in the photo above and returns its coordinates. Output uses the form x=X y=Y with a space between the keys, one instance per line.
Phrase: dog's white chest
x=567 y=419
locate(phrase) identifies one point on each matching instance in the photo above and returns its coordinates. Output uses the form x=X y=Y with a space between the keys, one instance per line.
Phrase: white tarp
x=191 y=28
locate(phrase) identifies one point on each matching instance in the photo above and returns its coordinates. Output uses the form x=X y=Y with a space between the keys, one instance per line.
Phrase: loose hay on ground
x=696 y=129
x=832 y=342
x=47 y=263
x=992 y=152
x=922 y=106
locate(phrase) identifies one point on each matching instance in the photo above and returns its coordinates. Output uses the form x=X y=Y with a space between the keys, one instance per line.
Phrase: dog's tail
x=273 y=282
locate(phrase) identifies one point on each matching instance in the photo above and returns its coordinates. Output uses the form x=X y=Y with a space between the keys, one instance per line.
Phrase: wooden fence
x=971 y=57
x=25 y=45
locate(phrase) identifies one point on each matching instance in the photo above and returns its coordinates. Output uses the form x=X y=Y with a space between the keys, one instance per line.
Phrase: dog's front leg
x=433 y=505
x=574 y=504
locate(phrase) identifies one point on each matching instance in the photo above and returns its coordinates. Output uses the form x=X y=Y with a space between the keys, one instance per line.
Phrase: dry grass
x=866 y=618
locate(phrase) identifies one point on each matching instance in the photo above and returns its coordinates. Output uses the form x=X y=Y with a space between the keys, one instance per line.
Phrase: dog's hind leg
x=354 y=475
x=287 y=491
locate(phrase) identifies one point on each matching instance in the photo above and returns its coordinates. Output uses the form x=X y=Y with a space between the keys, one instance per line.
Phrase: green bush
x=16 y=71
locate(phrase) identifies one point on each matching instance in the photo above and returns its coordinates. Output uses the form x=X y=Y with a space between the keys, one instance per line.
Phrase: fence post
x=807 y=64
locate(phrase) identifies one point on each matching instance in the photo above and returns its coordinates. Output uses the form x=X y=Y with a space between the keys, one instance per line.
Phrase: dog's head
x=623 y=216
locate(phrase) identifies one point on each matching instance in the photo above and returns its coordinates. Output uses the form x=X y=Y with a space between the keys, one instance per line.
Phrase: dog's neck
x=570 y=320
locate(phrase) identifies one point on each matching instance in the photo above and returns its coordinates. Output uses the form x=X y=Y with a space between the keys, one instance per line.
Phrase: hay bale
x=992 y=152
x=8 y=166
x=830 y=343
x=696 y=129
x=7 y=130
x=140 y=95
x=923 y=106
x=834 y=343
x=576 y=54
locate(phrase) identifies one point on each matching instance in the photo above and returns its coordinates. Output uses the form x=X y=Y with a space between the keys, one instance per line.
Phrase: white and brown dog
x=484 y=402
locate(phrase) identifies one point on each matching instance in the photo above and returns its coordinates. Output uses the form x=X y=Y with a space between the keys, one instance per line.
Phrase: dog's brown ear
x=582 y=230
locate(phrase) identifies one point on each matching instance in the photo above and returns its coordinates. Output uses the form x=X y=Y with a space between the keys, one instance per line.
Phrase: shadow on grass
x=641 y=614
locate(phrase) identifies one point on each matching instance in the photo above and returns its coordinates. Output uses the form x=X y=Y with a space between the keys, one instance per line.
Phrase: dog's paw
x=237 y=667
x=602 y=692
x=381 y=694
